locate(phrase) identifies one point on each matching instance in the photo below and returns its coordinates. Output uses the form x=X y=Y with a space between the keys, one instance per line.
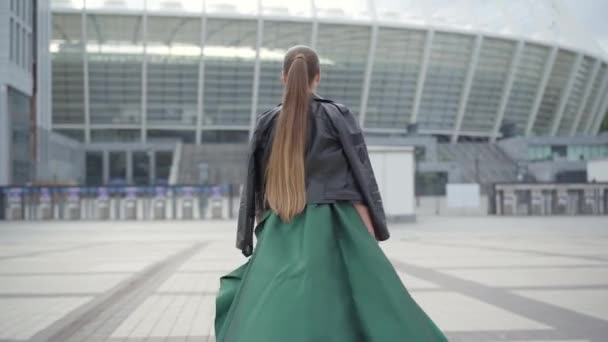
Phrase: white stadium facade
x=135 y=70
x=479 y=87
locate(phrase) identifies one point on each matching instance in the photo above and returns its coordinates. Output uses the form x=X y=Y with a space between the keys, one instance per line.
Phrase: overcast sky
x=592 y=14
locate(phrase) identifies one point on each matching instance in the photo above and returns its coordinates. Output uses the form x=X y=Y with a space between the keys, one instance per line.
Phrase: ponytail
x=285 y=188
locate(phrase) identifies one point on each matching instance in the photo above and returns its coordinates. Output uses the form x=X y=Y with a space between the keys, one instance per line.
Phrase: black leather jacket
x=337 y=167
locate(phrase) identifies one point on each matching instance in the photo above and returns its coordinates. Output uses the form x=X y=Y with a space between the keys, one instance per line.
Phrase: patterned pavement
x=480 y=279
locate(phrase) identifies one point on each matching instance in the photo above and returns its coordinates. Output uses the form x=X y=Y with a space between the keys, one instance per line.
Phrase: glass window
x=447 y=69
x=420 y=153
x=173 y=67
x=164 y=159
x=225 y=136
x=553 y=92
x=74 y=134
x=94 y=168
x=394 y=79
x=118 y=167
x=115 y=57
x=559 y=152
x=18 y=44
x=67 y=69
x=28 y=58
x=229 y=56
x=488 y=84
x=431 y=183
x=525 y=84
x=277 y=38
x=19 y=112
x=24 y=48
x=171 y=136
x=141 y=168
x=30 y=14
x=12 y=39
x=115 y=135
x=343 y=50
x=26 y=8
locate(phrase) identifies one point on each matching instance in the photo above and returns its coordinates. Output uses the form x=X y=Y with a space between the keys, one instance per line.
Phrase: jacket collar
x=314 y=97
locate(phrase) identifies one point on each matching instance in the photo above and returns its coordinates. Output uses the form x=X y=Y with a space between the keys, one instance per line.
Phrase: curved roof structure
x=459 y=68
x=546 y=21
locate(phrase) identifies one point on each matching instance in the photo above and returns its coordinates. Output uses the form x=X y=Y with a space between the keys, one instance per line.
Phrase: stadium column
x=315 y=26
x=368 y=72
x=464 y=98
x=256 y=70
x=586 y=94
x=561 y=108
x=144 y=75
x=596 y=106
x=540 y=92
x=106 y=166
x=428 y=44
x=200 y=100
x=129 y=165
x=4 y=137
x=85 y=73
x=500 y=114
x=600 y=115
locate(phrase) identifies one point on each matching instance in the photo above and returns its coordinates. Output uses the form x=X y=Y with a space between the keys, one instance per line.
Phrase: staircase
x=485 y=163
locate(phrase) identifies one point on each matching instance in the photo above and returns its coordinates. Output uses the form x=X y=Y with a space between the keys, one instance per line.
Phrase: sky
x=592 y=14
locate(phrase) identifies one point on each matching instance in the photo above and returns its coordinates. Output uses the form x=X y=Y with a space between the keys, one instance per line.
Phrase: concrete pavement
x=479 y=278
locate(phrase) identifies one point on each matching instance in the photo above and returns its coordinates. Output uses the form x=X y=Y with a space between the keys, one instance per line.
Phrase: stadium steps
x=494 y=164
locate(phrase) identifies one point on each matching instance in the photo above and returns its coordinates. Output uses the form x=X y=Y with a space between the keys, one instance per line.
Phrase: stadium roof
x=546 y=21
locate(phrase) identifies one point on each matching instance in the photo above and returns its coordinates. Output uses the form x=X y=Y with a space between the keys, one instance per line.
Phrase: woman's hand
x=365 y=217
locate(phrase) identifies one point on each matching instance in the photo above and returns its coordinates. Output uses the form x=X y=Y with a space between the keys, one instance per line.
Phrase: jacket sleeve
x=249 y=201
x=355 y=149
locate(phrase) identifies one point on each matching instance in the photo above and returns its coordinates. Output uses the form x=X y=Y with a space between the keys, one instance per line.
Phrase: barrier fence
x=549 y=199
x=177 y=202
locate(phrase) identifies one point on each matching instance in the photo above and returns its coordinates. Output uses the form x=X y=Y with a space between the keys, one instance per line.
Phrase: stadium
x=173 y=70
x=167 y=91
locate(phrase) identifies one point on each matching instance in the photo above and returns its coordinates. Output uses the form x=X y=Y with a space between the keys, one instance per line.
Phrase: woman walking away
x=317 y=272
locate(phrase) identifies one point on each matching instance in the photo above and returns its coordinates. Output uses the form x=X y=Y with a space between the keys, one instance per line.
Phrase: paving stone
x=480 y=279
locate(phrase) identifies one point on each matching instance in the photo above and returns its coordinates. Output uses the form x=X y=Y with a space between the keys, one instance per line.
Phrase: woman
x=317 y=273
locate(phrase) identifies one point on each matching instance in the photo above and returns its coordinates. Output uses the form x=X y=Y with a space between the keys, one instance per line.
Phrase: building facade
x=140 y=70
x=17 y=41
x=132 y=75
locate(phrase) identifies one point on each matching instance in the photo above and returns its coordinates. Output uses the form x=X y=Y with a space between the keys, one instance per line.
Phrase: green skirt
x=321 y=277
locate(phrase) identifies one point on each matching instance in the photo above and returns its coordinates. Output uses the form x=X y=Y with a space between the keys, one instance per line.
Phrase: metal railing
x=178 y=202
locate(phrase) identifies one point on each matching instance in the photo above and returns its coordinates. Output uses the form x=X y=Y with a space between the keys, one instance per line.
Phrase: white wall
x=394 y=170
x=597 y=170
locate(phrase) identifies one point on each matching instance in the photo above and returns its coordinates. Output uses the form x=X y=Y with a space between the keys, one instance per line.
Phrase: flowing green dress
x=321 y=277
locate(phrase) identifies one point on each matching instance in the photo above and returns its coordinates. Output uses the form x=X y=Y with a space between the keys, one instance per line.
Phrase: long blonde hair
x=285 y=189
